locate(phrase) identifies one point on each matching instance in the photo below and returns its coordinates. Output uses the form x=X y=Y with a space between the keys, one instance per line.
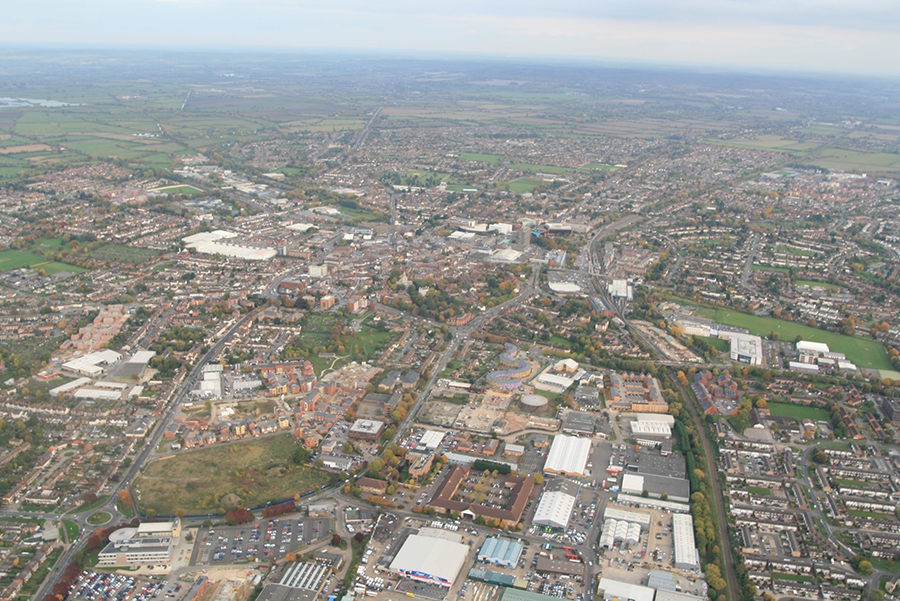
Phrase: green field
x=797 y=252
x=771 y=268
x=864 y=353
x=545 y=168
x=521 y=186
x=720 y=344
x=771 y=143
x=798 y=412
x=124 y=253
x=71 y=529
x=248 y=473
x=875 y=515
x=101 y=517
x=16 y=259
x=600 y=167
x=757 y=490
x=791 y=577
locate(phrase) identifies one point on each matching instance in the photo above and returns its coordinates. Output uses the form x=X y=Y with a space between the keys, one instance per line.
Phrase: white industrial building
x=555 y=507
x=624 y=515
x=686 y=556
x=616 y=589
x=430 y=559
x=431 y=440
x=213 y=243
x=568 y=456
x=97 y=394
x=615 y=531
x=660 y=430
x=68 y=386
x=744 y=348
x=554 y=381
x=93 y=364
x=621 y=289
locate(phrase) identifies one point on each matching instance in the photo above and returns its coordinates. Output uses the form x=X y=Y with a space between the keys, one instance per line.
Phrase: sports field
x=864 y=353
x=798 y=411
x=248 y=473
x=16 y=259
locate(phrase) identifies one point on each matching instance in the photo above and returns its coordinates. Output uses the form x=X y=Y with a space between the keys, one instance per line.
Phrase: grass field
x=798 y=411
x=71 y=529
x=762 y=492
x=249 y=473
x=720 y=344
x=545 y=168
x=123 y=252
x=771 y=268
x=864 y=353
x=521 y=186
x=771 y=143
x=812 y=284
x=101 y=517
x=875 y=515
x=16 y=259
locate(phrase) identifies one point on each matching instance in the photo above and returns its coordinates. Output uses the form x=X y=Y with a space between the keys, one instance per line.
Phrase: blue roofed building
x=501 y=552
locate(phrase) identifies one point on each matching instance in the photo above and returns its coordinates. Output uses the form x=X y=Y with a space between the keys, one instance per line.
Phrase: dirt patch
x=25 y=148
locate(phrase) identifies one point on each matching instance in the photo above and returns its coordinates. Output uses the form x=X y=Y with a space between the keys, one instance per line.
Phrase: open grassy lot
x=762 y=492
x=545 y=168
x=720 y=344
x=771 y=143
x=798 y=411
x=249 y=473
x=812 y=284
x=864 y=353
x=521 y=186
x=122 y=252
x=15 y=259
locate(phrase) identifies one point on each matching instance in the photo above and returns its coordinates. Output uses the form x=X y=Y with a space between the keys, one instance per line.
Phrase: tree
x=539 y=479
x=864 y=568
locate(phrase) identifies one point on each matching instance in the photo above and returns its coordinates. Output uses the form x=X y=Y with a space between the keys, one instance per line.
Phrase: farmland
x=248 y=473
x=864 y=353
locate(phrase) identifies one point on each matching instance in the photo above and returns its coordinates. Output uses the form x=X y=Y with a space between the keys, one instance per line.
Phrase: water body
x=16 y=103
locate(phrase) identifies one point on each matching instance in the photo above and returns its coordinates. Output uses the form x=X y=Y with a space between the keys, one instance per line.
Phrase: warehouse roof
x=432 y=557
x=568 y=455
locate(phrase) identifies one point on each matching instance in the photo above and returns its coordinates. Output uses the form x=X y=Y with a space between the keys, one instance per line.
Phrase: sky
x=815 y=36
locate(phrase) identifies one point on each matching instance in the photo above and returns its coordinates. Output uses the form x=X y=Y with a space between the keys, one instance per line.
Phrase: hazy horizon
x=816 y=38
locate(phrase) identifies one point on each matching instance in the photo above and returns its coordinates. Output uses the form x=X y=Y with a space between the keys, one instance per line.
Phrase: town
x=310 y=340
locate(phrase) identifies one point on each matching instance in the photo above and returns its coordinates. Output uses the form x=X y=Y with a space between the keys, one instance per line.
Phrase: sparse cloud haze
x=841 y=36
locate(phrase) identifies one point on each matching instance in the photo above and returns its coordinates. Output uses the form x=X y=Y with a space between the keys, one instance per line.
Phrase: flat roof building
x=366 y=429
x=429 y=559
x=744 y=348
x=686 y=556
x=557 y=501
x=568 y=456
x=500 y=551
x=616 y=589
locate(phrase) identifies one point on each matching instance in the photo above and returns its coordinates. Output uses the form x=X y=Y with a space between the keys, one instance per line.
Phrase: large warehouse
x=568 y=456
x=557 y=501
x=430 y=559
x=686 y=556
